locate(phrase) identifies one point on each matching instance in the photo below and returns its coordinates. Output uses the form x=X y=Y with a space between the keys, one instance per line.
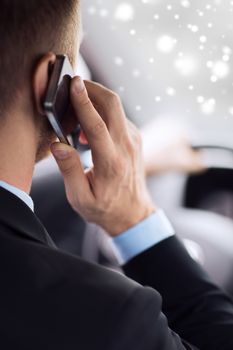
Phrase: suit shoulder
x=74 y=272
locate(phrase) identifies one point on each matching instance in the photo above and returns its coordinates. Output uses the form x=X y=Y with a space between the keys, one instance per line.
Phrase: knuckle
x=98 y=128
x=121 y=167
x=84 y=99
x=138 y=139
x=115 y=99
x=130 y=147
x=112 y=99
x=136 y=135
x=134 y=141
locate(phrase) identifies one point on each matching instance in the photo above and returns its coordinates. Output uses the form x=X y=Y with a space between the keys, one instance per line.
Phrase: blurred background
x=166 y=58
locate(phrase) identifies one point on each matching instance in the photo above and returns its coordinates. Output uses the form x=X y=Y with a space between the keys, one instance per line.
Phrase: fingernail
x=60 y=155
x=59 y=151
x=79 y=85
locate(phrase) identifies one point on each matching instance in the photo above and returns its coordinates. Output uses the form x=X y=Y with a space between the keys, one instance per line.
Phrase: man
x=52 y=300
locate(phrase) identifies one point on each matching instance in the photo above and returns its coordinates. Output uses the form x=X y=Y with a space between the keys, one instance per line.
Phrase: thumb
x=69 y=163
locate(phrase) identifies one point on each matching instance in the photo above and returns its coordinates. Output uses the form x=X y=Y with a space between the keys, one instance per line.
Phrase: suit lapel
x=17 y=216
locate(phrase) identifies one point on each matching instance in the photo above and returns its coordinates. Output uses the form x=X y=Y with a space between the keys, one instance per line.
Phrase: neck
x=17 y=152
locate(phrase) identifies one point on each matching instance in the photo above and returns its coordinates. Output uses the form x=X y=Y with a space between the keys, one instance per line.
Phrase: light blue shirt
x=19 y=193
x=129 y=244
x=142 y=236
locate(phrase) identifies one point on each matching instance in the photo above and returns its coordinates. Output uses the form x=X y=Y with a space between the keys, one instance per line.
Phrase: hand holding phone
x=113 y=193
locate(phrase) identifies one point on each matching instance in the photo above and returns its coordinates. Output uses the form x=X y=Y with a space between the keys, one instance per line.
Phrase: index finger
x=91 y=122
x=110 y=107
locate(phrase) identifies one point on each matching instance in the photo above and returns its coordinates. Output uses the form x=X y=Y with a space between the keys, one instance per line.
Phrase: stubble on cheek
x=46 y=138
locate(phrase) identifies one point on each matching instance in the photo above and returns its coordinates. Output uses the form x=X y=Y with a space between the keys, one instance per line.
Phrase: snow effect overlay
x=181 y=53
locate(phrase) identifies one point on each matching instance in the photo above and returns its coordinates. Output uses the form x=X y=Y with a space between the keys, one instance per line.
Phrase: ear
x=41 y=79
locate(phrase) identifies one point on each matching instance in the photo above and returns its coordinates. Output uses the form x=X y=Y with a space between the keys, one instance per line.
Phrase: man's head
x=29 y=30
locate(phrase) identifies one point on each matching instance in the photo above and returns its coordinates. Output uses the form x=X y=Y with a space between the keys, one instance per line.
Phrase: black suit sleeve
x=195 y=308
x=140 y=325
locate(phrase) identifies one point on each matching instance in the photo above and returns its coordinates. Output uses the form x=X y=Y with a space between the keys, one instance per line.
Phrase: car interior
x=167 y=64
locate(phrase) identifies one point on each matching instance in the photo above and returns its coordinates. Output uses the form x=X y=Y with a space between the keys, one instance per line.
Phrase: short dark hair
x=28 y=29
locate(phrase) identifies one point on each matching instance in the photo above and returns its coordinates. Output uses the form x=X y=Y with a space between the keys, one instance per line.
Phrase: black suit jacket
x=56 y=301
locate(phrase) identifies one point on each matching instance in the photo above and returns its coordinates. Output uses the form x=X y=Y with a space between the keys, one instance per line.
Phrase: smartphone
x=57 y=98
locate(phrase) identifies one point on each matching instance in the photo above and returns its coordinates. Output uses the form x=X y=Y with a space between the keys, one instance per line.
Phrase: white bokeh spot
x=186 y=65
x=118 y=61
x=208 y=106
x=124 y=12
x=166 y=44
x=220 y=69
x=185 y=3
x=170 y=91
